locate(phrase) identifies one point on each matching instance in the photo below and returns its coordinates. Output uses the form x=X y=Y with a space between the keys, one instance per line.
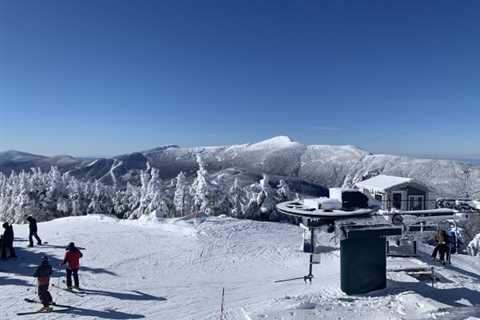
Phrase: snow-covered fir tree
x=265 y=198
x=51 y=194
x=157 y=201
x=180 y=198
x=199 y=190
x=235 y=194
x=283 y=191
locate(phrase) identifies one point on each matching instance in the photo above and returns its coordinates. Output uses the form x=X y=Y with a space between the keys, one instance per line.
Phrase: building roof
x=383 y=183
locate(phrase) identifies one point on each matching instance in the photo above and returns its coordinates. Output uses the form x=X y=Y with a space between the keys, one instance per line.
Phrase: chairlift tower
x=364 y=234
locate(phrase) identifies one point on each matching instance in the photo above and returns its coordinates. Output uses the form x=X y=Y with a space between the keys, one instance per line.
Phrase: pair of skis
x=39 y=245
x=77 y=292
x=61 y=306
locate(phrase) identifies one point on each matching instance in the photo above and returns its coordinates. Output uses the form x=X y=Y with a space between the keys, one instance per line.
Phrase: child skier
x=72 y=260
x=43 y=273
x=32 y=226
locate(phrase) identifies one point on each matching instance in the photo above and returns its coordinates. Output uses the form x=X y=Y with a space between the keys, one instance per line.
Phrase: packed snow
x=382 y=182
x=176 y=269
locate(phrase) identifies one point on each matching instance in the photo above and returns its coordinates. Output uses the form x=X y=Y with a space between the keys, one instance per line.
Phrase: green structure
x=363 y=257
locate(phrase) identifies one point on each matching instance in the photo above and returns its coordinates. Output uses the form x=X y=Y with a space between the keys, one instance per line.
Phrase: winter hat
x=70 y=246
x=44 y=259
x=5 y=224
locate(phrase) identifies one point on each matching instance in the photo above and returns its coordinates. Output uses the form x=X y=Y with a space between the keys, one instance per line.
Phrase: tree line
x=49 y=195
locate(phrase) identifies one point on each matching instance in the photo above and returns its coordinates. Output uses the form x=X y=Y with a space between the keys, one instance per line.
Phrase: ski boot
x=45 y=309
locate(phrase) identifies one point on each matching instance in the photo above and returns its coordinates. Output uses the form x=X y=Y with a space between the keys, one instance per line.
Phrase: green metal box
x=363 y=264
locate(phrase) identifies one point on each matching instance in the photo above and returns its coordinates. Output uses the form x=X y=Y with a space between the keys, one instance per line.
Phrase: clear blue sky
x=106 y=77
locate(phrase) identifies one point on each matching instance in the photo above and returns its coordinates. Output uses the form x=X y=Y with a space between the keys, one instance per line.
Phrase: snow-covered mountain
x=326 y=165
x=16 y=161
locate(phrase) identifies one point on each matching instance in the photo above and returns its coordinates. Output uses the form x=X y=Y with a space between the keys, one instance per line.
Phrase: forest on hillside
x=49 y=195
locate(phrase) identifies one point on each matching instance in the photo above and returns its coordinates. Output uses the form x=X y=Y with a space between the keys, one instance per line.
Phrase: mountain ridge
x=326 y=165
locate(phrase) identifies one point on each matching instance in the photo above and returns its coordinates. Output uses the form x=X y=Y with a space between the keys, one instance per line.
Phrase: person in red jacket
x=72 y=260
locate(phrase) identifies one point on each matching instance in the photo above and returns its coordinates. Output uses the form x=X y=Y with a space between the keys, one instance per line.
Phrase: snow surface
x=176 y=268
x=274 y=143
x=382 y=182
x=322 y=203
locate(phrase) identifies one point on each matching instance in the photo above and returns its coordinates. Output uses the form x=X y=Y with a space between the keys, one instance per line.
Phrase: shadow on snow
x=101 y=314
x=28 y=260
x=5 y=281
x=134 y=295
x=426 y=258
x=54 y=246
x=447 y=296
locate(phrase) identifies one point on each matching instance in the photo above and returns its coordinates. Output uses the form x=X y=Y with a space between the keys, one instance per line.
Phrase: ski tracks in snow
x=177 y=269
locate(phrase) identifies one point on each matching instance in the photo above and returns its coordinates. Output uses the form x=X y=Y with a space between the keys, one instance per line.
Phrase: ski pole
x=221 y=305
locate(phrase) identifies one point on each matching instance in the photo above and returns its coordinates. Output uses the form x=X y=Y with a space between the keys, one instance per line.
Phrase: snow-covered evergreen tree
x=156 y=200
x=235 y=194
x=251 y=208
x=48 y=195
x=265 y=198
x=75 y=197
x=283 y=191
x=199 y=190
x=180 y=200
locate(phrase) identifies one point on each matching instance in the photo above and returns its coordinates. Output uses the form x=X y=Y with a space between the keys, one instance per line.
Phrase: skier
x=32 y=226
x=7 y=241
x=43 y=273
x=72 y=260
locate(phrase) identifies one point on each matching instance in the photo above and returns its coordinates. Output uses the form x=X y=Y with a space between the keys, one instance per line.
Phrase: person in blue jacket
x=455 y=240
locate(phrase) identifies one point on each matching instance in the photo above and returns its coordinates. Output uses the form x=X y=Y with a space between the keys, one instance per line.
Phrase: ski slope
x=176 y=269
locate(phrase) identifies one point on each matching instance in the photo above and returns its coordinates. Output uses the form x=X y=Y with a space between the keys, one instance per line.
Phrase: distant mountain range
x=325 y=165
x=472 y=161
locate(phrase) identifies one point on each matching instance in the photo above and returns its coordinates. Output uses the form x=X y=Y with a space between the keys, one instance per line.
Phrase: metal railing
x=444 y=203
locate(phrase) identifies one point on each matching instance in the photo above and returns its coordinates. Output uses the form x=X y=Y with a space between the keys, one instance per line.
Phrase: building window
x=397 y=200
x=416 y=202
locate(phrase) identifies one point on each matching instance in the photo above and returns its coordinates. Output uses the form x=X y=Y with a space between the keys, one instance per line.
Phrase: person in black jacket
x=43 y=273
x=7 y=241
x=32 y=225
